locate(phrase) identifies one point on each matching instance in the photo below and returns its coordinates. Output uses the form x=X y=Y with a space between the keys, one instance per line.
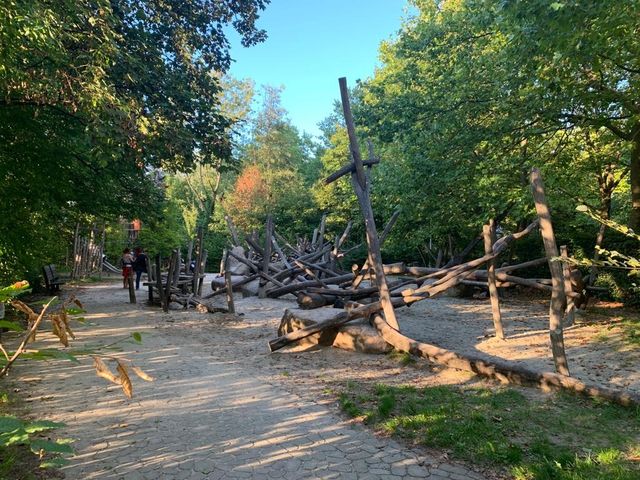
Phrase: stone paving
x=206 y=416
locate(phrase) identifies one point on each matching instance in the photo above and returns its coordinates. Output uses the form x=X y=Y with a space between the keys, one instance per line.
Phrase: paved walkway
x=207 y=416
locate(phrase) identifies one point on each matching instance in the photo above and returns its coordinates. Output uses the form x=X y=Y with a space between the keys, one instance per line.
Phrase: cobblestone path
x=206 y=416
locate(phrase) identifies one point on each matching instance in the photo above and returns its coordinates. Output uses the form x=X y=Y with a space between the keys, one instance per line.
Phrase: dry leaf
x=59 y=329
x=103 y=371
x=139 y=372
x=127 y=387
x=65 y=319
x=78 y=303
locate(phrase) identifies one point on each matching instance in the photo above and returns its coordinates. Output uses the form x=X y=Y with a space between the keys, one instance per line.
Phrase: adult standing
x=127 y=266
x=139 y=265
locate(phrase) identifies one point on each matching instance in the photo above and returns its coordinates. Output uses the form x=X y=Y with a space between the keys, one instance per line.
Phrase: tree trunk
x=634 y=171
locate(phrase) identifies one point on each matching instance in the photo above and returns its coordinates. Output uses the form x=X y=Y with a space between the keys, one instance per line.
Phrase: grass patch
x=403 y=358
x=631 y=332
x=562 y=437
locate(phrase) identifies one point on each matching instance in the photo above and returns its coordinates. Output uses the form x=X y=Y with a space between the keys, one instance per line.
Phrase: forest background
x=115 y=110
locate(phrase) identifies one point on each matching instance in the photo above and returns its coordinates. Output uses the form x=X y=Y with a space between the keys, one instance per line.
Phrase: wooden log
x=496 y=369
x=199 y=246
x=558 y=297
x=247 y=262
x=570 y=311
x=347 y=169
x=187 y=263
x=236 y=284
x=489 y=234
x=159 y=284
x=227 y=280
x=280 y=253
x=132 y=291
x=167 y=288
x=308 y=301
x=321 y=229
x=203 y=271
x=277 y=292
x=520 y=266
x=314 y=266
x=383 y=236
x=254 y=245
x=309 y=272
x=361 y=188
x=266 y=258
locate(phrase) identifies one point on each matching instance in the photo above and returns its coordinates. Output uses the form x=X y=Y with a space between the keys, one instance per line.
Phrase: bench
x=51 y=278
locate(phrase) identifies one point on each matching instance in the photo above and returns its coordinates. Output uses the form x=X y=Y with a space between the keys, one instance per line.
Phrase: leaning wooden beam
x=347 y=169
x=558 y=297
x=277 y=292
x=570 y=312
x=235 y=239
x=309 y=272
x=246 y=261
x=383 y=236
x=227 y=280
x=499 y=370
x=236 y=284
x=253 y=244
x=266 y=259
x=280 y=253
x=489 y=234
x=360 y=186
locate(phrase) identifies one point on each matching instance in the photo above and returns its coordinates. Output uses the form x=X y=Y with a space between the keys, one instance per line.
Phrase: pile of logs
x=272 y=267
x=379 y=301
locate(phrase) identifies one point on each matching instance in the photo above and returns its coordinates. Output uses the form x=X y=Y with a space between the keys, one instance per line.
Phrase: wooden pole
x=203 y=269
x=227 y=280
x=558 y=298
x=132 y=290
x=570 y=313
x=196 y=271
x=158 y=279
x=489 y=234
x=262 y=289
x=359 y=182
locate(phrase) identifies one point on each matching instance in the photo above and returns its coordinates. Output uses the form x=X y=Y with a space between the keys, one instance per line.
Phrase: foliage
x=95 y=93
x=278 y=166
x=473 y=93
x=14 y=431
x=560 y=437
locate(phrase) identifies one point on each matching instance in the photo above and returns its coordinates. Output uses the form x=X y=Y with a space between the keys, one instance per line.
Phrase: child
x=127 y=267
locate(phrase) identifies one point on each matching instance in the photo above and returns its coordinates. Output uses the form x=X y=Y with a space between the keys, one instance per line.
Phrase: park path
x=210 y=414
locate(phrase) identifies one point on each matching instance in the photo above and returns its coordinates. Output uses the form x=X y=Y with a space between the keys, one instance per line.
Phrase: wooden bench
x=51 y=278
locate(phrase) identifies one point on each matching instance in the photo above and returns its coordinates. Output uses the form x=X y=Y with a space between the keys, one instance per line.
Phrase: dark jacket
x=140 y=263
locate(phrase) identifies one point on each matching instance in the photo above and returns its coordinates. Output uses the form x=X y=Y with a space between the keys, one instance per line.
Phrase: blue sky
x=313 y=43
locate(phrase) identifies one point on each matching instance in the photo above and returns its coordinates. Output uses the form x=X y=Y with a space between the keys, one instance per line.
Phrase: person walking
x=127 y=266
x=139 y=265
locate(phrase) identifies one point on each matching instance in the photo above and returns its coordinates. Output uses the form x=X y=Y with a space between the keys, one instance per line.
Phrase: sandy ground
x=198 y=359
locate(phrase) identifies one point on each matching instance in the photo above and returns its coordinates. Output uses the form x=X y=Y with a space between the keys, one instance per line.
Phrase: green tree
x=92 y=94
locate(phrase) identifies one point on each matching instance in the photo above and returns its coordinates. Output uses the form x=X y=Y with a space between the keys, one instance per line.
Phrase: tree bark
x=558 y=297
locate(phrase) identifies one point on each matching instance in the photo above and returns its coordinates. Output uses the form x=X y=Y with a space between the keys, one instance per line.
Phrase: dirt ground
x=595 y=349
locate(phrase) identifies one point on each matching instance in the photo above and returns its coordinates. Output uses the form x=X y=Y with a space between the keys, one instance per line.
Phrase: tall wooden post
x=558 y=298
x=570 y=312
x=132 y=291
x=360 y=185
x=158 y=279
x=262 y=293
x=229 y=285
x=489 y=234
x=196 y=271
